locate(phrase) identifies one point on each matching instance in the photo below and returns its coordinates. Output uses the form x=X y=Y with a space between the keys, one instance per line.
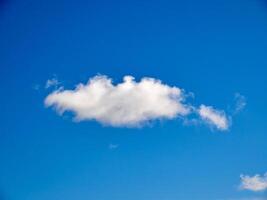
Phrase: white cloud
x=52 y=83
x=129 y=103
x=254 y=183
x=214 y=117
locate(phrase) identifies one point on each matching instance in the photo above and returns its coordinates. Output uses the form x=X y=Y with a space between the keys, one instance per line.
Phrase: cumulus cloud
x=214 y=117
x=254 y=183
x=129 y=103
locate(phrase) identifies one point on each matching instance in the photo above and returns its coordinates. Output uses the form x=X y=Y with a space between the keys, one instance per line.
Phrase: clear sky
x=216 y=50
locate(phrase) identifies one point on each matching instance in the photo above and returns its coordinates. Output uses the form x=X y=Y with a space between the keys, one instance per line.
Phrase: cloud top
x=254 y=183
x=129 y=103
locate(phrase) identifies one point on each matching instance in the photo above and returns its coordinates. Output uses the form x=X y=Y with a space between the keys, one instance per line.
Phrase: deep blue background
x=211 y=48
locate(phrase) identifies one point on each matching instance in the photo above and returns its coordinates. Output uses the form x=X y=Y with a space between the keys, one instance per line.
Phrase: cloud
x=240 y=102
x=129 y=103
x=214 y=117
x=254 y=183
x=51 y=83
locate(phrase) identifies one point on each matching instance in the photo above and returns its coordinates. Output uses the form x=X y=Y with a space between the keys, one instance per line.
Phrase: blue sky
x=213 y=49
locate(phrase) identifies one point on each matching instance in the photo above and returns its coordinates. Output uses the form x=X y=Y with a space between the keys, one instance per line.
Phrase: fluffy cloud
x=254 y=183
x=214 y=117
x=129 y=103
